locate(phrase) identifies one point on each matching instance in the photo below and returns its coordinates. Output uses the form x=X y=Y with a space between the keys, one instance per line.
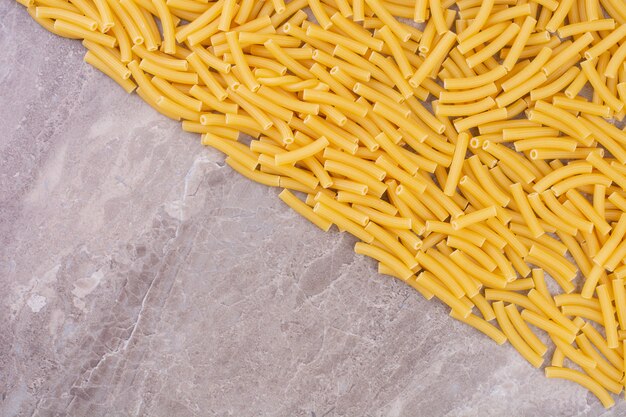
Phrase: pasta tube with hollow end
x=302 y=153
x=442 y=48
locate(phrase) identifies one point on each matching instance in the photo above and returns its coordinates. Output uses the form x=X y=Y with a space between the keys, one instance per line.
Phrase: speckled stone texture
x=141 y=276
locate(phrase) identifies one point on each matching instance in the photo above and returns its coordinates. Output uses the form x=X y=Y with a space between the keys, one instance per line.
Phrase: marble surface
x=142 y=277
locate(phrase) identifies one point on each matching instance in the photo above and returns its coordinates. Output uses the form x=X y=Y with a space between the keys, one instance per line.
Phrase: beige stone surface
x=140 y=276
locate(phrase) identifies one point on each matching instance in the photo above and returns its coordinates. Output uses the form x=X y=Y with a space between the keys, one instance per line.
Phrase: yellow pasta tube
x=160 y=59
x=142 y=23
x=487 y=182
x=551 y=311
x=397 y=51
x=384 y=219
x=581 y=379
x=559 y=15
x=384 y=15
x=606 y=306
x=421 y=11
x=606 y=43
x=539 y=280
x=511 y=159
x=491 y=279
x=481 y=325
x=588 y=211
x=342 y=103
x=240 y=60
x=496 y=45
x=599 y=86
x=169 y=74
x=599 y=342
x=66 y=15
x=344 y=224
x=227 y=14
x=257 y=176
x=358 y=163
x=47 y=24
x=388 y=259
x=476 y=80
x=474 y=251
x=619 y=292
x=583 y=312
x=466 y=96
x=561 y=300
x=479 y=119
x=557 y=263
x=231 y=148
x=304 y=210
x=463 y=109
x=80 y=32
x=148 y=89
x=524 y=331
x=333 y=135
x=109 y=58
x=581 y=106
x=474 y=217
x=587 y=26
x=395 y=247
x=428 y=281
x=549 y=326
x=554 y=87
x=615 y=62
x=513 y=336
x=520 y=42
x=167 y=25
x=439 y=270
x=556 y=143
x=467 y=284
x=375 y=186
x=480 y=38
x=527 y=72
x=435 y=57
x=561 y=174
x=457 y=164
x=302 y=153
x=282 y=57
x=582 y=131
x=106 y=15
x=573 y=354
x=568 y=53
x=580 y=181
x=521 y=90
x=525 y=210
x=347 y=211
x=365 y=200
x=93 y=60
x=479 y=21
x=178 y=96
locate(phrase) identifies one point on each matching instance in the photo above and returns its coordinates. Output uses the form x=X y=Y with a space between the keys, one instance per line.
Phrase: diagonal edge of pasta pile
x=514 y=173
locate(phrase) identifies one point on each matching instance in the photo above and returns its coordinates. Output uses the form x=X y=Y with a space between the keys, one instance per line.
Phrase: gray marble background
x=140 y=276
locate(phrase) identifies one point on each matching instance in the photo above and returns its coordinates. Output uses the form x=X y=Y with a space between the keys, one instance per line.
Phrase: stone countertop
x=141 y=276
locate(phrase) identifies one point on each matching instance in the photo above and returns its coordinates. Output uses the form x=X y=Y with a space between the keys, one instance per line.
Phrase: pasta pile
x=506 y=202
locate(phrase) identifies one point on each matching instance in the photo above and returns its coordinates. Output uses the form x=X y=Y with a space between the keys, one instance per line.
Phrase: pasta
x=461 y=202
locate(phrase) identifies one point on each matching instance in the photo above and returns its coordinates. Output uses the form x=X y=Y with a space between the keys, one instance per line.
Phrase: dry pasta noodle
x=451 y=153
